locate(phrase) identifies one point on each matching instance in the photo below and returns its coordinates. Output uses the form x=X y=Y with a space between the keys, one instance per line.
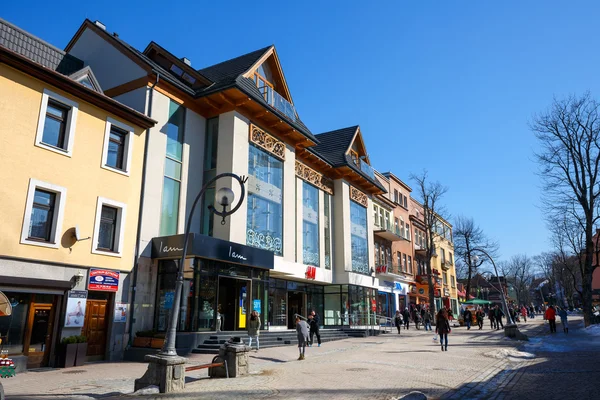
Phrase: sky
x=446 y=86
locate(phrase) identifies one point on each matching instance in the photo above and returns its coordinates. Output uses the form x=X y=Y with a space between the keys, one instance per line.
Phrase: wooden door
x=39 y=335
x=95 y=327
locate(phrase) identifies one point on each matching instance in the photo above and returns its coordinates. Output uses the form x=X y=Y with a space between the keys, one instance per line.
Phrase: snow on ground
x=593 y=330
x=510 y=354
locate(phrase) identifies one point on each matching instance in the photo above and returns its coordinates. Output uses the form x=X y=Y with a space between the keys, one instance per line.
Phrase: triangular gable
x=86 y=77
x=270 y=57
x=358 y=140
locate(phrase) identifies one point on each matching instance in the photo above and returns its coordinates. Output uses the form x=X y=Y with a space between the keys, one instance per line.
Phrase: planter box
x=67 y=355
x=81 y=354
x=142 y=341
x=157 y=343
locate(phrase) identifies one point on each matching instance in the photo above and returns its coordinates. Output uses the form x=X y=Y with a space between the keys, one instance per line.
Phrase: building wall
x=81 y=174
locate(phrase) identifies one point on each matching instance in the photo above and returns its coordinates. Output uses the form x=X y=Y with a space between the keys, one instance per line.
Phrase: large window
x=359 y=243
x=327 y=212
x=264 y=227
x=118 y=142
x=42 y=215
x=56 y=124
x=210 y=168
x=44 y=210
x=172 y=179
x=116 y=148
x=310 y=224
x=109 y=227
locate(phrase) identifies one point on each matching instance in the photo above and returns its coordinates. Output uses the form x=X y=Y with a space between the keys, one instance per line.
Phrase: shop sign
x=381 y=269
x=398 y=286
x=421 y=291
x=311 y=272
x=446 y=292
x=103 y=280
x=388 y=284
x=256 y=305
x=75 y=315
x=120 y=312
x=436 y=293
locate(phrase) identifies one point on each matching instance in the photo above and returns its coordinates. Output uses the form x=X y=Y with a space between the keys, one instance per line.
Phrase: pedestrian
x=406 y=317
x=442 y=328
x=254 y=329
x=498 y=314
x=492 y=318
x=531 y=312
x=551 y=317
x=479 y=315
x=467 y=315
x=314 y=322
x=562 y=313
x=427 y=317
x=416 y=317
x=398 y=320
x=302 y=333
x=524 y=313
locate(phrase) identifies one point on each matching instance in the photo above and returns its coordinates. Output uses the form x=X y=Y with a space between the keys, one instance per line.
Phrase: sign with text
x=256 y=305
x=103 y=280
x=120 y=312
x=311 y=272
x=75 y=315
x=381 y=269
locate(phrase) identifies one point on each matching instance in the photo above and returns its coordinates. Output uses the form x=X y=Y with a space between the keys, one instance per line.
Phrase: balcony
x=278 y=102
x=390 y=233
x=367 y=169
x=445 y=265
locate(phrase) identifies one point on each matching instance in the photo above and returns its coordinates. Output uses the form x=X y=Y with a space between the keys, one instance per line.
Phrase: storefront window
x=359 y=243
x=310 y=224
x=264 y=227
x=327 y=212
x=12 y=328
x=167 y=276
x=277 y=303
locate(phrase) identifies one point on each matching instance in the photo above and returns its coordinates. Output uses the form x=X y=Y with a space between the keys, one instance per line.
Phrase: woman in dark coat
x=442 y=327
x=398 y=320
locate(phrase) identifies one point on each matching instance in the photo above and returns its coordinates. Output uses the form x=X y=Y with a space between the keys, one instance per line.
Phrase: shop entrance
x=39 y=334
x=296 y=302
x=233 y=303
x=95 y=327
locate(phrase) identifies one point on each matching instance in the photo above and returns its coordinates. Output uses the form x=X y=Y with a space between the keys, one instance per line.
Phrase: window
x=358 y=235
x=407 y=231
x=118 y=144
x=443 y=255
x=44 y=211
x=327 y=214
x=56 y=124
x=354 y=156
x=387 y=220
x=310 y=224
x=404 y=266
x=176 y=70
x=381 y=222
x=445 y=278
x=210 y=167
x=410 y=266
x=396 y=225
x=399 y=260
x=401 y=227
x=405 y=202
x=396 y=196
x=450 y=260
x=264 y=226
x=376 y=253
x=376 y=215
x=109 y=227
x=169 y=214
x=452 y=281
x=85 y=81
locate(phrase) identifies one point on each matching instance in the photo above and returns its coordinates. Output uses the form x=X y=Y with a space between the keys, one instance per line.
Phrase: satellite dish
x=77 y=234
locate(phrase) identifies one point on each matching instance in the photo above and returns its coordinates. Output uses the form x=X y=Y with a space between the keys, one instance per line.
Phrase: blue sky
x=449 y=85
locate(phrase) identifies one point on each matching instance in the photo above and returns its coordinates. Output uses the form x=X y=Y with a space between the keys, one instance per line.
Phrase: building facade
x=443 y=262
x=69 y=201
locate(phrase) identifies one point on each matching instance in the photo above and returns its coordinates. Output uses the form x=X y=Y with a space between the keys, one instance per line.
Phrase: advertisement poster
x=256 y=305
x=103 y=280
x=120 y=312
x=76 y=309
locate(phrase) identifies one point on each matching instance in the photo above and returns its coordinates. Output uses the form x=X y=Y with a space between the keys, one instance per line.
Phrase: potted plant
x=143 y=338
x=67 y=352
x=81 y=350
x=158 y=340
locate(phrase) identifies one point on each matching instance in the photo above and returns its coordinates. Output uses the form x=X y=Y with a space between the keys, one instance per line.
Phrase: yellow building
x=443 y=262
x=71 y=163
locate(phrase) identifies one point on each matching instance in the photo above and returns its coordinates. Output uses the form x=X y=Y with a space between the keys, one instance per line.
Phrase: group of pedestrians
x=419 y=315
x=550 y=316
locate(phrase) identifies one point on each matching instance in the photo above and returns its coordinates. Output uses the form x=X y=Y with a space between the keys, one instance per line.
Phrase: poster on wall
x=103 y=280
x=256 y=305
x=120 y=312
x=76 y=309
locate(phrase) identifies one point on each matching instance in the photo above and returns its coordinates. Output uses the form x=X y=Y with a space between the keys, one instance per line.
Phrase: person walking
x=254 y=329
x=416 y=315
x=302 y=334
x=479 y=315
x=562 y=313
x=442 y=328
x=524 y=313
x=551 y=317
x=498 y=314
x=398 y=320
x=427 y=317
x=467 y=315
x=313 y=322
x=406 y=317
x=492 y=318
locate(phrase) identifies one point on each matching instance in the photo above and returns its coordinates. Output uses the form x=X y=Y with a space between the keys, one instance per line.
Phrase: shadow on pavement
x=276 y=360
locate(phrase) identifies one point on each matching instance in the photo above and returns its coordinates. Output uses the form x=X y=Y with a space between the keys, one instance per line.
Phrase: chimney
x=100 y=25
x=187 y=61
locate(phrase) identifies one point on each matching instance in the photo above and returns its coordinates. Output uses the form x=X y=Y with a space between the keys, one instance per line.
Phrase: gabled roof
x=37 y=50
x=227 y=72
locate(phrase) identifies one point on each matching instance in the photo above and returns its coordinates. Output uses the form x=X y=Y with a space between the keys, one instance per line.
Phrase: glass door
x=39 y=335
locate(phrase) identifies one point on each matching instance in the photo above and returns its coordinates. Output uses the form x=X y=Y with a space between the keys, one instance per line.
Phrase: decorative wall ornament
x=313 y=177
x=263 y=241
x=311 y=258
x=358 y=196
x=267 y=142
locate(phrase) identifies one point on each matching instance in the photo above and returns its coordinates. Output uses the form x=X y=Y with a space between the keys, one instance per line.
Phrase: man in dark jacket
x=467 y=316
x=313 y=322
x=498 y=314
x=406 y=317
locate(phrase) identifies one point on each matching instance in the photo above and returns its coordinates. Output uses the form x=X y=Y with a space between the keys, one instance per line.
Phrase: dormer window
x=85 y=81
x=182 y=74
x=176 y=70
x=355 y=157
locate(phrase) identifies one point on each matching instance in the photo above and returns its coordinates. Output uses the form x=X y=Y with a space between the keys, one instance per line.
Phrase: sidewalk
x=382 y=367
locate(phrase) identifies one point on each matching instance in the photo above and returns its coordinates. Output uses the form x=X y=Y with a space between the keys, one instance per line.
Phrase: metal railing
x=277 y=101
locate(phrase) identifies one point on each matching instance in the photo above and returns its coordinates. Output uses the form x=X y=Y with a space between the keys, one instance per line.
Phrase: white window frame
x=128 y=146
x=69 y=128
x=57 y=218
x=120 y=231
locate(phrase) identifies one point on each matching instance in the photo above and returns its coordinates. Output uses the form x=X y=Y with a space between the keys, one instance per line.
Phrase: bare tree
x=569 y=261
x=469 y=237
x=569 y=160
x=519 y=273
x=430 y=194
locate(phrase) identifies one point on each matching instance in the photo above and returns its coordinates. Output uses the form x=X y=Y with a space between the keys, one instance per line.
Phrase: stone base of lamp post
x=166 y=372
x=512 y=331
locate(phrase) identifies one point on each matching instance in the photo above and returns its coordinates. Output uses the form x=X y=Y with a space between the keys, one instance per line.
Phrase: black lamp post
x=225 y=198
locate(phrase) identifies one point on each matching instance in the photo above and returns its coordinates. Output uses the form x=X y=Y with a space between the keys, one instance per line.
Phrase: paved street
x=478 y=365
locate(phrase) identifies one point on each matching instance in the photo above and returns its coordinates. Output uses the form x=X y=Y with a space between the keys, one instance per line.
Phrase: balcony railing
x=389 y=232
x=367 y=169
x=278 y=102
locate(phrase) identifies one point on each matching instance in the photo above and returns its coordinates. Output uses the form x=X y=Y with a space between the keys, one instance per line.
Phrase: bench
x=210 y=365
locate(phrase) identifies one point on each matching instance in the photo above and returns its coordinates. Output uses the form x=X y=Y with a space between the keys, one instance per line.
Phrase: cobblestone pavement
x=479 y=364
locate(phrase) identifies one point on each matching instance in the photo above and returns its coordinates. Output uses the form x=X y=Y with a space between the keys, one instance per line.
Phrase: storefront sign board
x=256 y=306
x=103 y=280
x=75 y=316
x=120 y=312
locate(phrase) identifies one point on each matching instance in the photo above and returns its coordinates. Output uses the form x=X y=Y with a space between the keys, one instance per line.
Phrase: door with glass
x=39 y=335
x=234 y=303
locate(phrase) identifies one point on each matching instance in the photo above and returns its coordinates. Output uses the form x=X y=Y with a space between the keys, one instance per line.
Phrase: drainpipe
x=141 y=211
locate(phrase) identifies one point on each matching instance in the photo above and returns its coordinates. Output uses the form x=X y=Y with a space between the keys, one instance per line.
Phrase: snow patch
x=510 y=354
x=593 y=330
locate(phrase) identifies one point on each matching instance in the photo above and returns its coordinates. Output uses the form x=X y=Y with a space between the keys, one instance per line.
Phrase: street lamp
x=224 y=198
